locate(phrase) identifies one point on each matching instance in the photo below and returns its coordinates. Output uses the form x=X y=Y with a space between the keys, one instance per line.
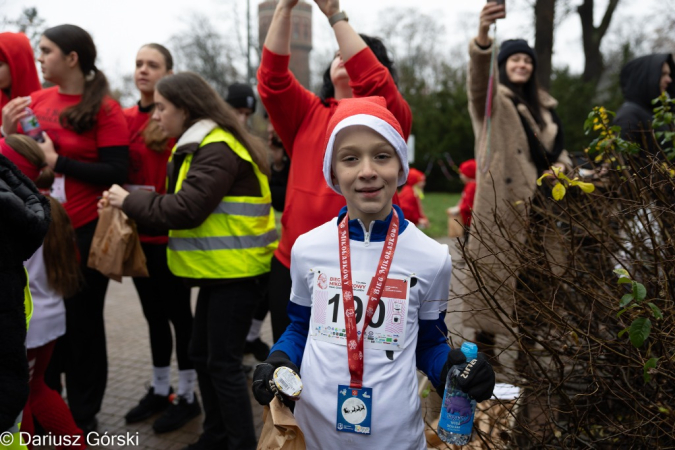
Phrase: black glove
x=476 y=379
x=264 y=372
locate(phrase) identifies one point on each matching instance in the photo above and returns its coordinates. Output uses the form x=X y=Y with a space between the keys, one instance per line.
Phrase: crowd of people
x=202 y=189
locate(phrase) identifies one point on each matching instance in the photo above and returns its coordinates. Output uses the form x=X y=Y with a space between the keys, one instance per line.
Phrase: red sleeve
x=111 y=125
x=466 y=203
x=368 y=77
x=287 y=102
x=409 y=205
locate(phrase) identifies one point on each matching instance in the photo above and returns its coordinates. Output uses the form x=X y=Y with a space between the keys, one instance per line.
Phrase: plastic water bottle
x=31 y=127
x=456 y=422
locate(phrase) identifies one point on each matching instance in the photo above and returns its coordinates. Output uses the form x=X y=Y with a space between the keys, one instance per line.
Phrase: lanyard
x=354 y=344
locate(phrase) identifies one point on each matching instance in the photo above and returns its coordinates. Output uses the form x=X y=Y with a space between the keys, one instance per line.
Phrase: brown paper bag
x=109 y=245
x=134 y=259
x=115 y=249
x=280 y=430
x=455 y=226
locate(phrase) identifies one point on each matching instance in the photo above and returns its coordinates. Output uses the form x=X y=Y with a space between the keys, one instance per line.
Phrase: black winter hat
x=513 y=46
x=240 y=95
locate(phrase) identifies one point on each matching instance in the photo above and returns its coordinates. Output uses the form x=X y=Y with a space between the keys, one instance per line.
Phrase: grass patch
x=435 y=205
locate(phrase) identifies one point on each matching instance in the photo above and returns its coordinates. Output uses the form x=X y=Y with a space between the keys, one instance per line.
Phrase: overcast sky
x=120 y=27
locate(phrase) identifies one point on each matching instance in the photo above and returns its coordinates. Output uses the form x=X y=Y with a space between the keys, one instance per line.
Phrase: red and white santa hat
x=371 y=112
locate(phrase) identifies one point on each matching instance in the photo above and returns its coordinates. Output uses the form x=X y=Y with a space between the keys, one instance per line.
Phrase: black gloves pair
x=476 y=378
x=263 y=374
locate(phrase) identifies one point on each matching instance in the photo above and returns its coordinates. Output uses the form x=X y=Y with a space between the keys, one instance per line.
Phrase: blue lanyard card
x=355 y=407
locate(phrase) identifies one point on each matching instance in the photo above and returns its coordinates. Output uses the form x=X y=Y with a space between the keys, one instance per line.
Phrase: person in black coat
x=642 y=80
x=24 y=221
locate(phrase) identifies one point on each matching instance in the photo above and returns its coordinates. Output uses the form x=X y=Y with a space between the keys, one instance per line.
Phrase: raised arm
x=349 y=41
x=286 y=100
x=480 y=52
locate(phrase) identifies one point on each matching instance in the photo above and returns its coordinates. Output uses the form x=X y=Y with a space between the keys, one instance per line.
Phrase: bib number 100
x=375 y=323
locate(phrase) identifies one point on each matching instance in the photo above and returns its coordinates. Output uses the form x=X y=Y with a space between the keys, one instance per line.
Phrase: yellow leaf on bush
x=586 y=187
x=558 y=191
x=542 y=177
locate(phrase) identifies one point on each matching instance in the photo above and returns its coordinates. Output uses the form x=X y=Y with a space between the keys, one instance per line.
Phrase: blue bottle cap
x=470 y=350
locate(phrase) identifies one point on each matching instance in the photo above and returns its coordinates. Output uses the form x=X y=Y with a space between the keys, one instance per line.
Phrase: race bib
x=386 y=331
x=58 y=189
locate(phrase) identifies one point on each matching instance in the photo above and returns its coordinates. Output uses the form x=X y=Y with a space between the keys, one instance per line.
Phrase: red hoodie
x=409 y=202
x=300 y=119
x=15 y=50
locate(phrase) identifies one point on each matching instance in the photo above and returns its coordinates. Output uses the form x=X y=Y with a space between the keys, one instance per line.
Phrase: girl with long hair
x=86 y=145
x=518 y=140
x=164 y=297
x=361 y=68
x=217 y=210
x=53 y=273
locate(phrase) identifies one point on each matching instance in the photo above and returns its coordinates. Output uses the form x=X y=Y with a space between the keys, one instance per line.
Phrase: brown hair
x=155 y=139
x=191 y=93
x=71 y=38
x=59 y=248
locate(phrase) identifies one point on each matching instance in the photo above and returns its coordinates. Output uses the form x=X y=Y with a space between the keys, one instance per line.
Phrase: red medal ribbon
x=354 y=343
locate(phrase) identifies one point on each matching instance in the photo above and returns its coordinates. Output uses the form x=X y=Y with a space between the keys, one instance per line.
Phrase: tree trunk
x=592 y=38
x=544 y=21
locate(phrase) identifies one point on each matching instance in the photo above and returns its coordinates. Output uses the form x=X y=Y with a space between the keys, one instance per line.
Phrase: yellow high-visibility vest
x=238 y=238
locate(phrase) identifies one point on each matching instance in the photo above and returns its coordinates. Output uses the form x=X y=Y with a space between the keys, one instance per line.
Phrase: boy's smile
x=366 y=168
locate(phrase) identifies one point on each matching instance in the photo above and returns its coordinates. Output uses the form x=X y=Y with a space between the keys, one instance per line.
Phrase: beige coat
x=505 y=181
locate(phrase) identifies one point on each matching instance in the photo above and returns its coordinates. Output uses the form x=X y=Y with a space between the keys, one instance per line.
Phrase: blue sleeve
x=293 y=341
x=432 y=348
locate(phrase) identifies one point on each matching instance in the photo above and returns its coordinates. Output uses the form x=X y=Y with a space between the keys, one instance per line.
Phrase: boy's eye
x=383 y=156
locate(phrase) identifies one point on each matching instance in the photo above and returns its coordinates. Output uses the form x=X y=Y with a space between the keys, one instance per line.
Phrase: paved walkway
x=130 y=372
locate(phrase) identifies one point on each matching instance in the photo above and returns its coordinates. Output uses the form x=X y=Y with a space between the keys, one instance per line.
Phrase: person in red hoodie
x=361 y=68
x=164 y=297
x=87 y=146
x=467 y=173
x=410 y=197
x=18 y=75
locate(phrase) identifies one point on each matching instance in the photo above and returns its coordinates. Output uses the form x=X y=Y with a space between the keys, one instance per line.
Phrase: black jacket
x=640 y=85
x=24 y=220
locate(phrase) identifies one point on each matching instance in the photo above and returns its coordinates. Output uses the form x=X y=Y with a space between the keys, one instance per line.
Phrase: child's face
x=367 y=168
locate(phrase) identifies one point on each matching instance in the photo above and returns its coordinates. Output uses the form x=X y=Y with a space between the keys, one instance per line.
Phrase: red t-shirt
x=466 y=202
x=300 y=120
x=147 y=168
x=110 y=131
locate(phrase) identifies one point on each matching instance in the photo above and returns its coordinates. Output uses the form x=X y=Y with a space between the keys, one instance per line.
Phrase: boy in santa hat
x=467 y=173
x=368 y=300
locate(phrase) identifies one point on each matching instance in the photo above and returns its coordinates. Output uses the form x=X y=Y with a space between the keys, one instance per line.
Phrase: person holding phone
x=525 y=139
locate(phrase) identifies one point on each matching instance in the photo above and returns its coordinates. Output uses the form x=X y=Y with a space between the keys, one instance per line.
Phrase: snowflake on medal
x=348 y=295
x=370 y=311
x=349 y=312
x=352 y=345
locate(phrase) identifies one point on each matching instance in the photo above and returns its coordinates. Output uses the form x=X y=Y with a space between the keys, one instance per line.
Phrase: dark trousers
x=165 y=298
x=279 y=296
x=222 y=321
x=81 y=353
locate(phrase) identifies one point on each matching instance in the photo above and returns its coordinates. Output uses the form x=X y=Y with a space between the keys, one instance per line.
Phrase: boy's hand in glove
x=264 y=373
x=476 y=379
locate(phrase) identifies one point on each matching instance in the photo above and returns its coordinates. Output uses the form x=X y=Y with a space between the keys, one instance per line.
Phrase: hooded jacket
x=25 y=220
x=15 y=50
x=640 y=85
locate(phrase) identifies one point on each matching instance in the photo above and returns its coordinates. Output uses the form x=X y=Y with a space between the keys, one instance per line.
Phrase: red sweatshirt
x=300 y=119
x=79 y=197
x=16 y=52
x=147 y=168
x=466 y=202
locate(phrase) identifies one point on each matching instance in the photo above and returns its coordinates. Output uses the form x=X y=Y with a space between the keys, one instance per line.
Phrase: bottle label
x=457 y=412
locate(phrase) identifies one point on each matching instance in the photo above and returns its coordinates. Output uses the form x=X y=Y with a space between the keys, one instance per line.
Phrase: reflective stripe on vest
x=237 y=239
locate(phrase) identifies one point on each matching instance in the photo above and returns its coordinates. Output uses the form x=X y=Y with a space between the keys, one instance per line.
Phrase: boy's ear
x=333 y=178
